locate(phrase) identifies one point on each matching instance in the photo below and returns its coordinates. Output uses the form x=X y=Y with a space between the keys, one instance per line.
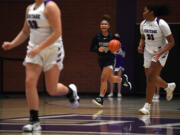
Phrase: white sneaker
x=34 y=126
x=155 y=98
x=75 y=103
x=110 y=95
x=119 y=95
x=169 y=91
x=145 y=110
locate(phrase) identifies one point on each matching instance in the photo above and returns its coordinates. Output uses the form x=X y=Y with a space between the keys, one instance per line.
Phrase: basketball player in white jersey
x=156 y=41
x=45 y=52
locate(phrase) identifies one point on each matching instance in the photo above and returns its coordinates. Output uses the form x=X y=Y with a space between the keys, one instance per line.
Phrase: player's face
x=104 y=26
x=145 y=13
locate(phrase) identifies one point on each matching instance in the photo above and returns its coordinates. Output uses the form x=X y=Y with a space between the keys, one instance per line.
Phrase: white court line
x=54 y=116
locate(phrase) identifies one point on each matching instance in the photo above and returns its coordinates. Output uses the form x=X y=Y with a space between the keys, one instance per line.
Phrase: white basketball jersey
x=155 y=34
x=39 y=26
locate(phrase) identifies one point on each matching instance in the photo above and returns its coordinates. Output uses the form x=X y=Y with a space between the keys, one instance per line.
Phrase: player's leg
x=106 y=72
x=33 y=72
x=168 y=87
x=119 y=84
x=152 y=80
x=110 y=95
x=150 y=89
x=57 y=89
x=147 y=63
x=123 y=79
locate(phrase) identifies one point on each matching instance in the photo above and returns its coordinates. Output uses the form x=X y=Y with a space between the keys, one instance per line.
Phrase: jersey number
x=150 y=36
x=33 y=24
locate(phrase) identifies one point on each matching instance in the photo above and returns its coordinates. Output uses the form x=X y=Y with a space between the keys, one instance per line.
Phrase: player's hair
x=106 y=17
x=159 y=9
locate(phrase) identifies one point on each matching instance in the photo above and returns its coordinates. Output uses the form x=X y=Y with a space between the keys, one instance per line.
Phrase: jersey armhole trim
x=46 y=1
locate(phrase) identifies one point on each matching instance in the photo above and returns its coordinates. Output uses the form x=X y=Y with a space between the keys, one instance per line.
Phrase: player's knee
x=30 y=83
x=151 y=78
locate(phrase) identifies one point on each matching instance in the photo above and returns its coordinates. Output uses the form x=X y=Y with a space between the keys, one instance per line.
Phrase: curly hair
x=106 y=17
x=159 y=9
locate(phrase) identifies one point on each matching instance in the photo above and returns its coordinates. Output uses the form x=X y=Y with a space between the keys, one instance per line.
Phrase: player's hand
x=33 y=52
x=117 y=35
x=156 y=55
x=140 y=49
x=7 y=46
x=101 y=49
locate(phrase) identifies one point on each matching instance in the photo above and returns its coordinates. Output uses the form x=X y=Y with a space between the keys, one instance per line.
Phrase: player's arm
x=170 y=44
x=53 y=14
x=20 y=38
x=167 y=33
x=141 y=44
x=93 y=47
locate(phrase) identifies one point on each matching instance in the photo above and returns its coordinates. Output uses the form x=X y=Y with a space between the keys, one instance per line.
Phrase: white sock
x=147 y=106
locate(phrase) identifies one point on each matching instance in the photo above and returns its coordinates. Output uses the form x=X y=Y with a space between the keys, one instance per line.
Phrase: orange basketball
x=114 y=45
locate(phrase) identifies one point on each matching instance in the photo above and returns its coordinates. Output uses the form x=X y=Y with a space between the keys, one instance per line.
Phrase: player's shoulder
x=50 y=3
x=143 y=23
x=161 y=22
x=28 y=7
x=51 y=7
x=99 y=34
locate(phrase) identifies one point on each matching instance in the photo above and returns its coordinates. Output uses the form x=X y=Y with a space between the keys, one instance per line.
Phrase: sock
x=70 y=95
x=34 y=116
x=147 y=106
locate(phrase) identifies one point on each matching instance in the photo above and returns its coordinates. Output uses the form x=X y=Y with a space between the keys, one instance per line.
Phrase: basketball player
x=158 y=40
x=45 y=52
x=105 y=59
x=118 y=70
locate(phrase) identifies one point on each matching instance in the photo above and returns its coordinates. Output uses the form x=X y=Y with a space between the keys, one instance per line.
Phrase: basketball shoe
x=125 y=81
x=155 y=98
x=146 y=109
x=74 y=100
x=32 y=126
x=98 y=101
x=110 y=95
x=119 y=95
x=169 y=91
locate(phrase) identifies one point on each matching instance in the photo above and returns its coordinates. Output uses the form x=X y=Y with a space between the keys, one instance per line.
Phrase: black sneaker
x=125 y=81
x=98 y=101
